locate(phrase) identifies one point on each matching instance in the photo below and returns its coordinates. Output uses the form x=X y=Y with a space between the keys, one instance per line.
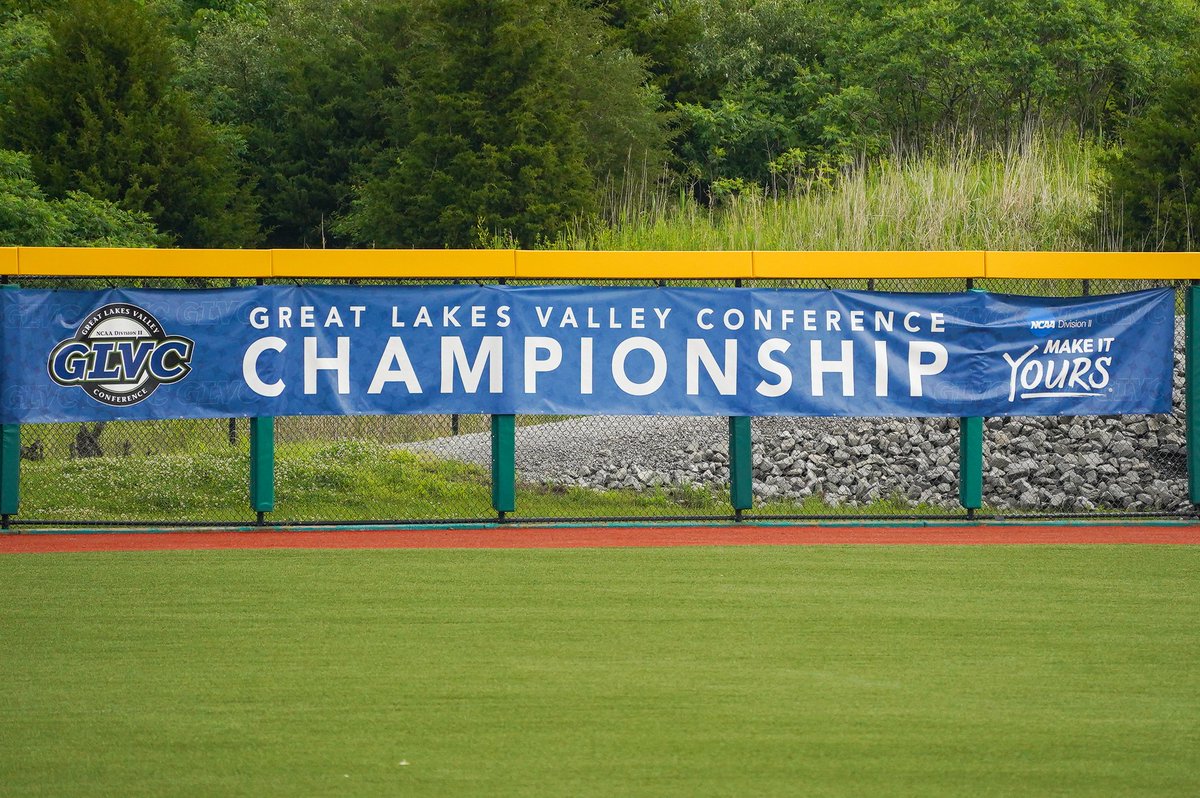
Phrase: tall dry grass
x=1041 y=195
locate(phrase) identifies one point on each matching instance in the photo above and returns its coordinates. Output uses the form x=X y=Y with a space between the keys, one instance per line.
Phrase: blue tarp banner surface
x=311 y=350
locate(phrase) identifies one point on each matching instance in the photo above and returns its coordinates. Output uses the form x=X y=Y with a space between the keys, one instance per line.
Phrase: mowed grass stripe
x=725 y=671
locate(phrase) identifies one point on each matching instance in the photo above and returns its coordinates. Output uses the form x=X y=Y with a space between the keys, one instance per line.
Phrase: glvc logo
x=120 y=355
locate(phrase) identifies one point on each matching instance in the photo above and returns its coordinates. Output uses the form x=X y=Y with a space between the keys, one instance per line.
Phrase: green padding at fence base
x=741 y=478
x=1191 y=354
x=898 y=523
x=10 y=459
x=10 y=469
x=262 y=465
x=970 y=462
x=504 y=463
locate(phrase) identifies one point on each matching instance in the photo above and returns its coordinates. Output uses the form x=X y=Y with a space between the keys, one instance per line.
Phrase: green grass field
x=348 y=481
x=725 y=671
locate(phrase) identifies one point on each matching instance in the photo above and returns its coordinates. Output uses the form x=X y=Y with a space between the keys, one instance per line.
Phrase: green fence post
x=10 y=473
x=741 y=477
x=262 y=466
x=970 y=464
x=1191 y=362
x=970 y=454
x=10 y=463
x=504 y=464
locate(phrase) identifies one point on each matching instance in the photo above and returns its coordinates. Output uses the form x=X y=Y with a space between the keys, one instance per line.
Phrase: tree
x=23 y=37
x=301 y=87
x=28 y=218
x=805 y=84
x=666 y=33
x=99 y=112
x=1156 y=178
x=493 y=124
x=772 y=113
x=995 y=68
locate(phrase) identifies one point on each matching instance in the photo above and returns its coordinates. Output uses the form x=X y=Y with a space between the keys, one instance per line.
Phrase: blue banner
x=310 y=350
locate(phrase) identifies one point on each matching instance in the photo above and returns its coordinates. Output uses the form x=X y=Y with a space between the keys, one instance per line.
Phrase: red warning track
x=604 y=537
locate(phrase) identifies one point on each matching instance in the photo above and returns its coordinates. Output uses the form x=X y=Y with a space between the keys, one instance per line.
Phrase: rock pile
x=1066 y=464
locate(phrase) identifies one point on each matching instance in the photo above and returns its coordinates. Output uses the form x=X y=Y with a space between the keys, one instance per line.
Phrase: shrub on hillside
x=1156 y=179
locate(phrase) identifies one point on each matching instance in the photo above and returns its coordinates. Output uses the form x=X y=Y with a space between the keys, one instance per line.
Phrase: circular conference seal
x=120 y=354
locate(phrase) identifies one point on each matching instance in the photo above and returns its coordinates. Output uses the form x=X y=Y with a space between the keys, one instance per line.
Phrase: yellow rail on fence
x=574 y=265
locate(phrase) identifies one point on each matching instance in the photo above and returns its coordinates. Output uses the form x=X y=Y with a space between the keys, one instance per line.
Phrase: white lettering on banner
x=633 y=318
x=394 y=353
x=821 y=367
x=250 y=366
x=544 y=355
x=1077 y=346
x=810 y=320
x=770 y=347
x=489 y=356
x=535 y=364
x=724 y=378
x=585 y=366
x=918 y=371
x=339 y=363
x=881 y=368
x=260 y=317
x=1047 y=378
x=657 y=355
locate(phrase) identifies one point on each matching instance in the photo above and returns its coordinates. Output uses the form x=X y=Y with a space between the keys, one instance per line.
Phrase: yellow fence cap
x=113 y=262
x=1094 y=265
x=675 y=265
x=394 y=263
x=8 y=260
x=879 y=265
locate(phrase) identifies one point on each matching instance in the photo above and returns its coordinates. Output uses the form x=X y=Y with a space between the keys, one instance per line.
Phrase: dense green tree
x=807 y=83
x=301 y=86
x=23 y=37
x=496 y=123
x=772 y=118
x=29 y=218
x=320 y=90
x=666 y=33
x=993 y=69
x=1156 y=177
x=99 y=112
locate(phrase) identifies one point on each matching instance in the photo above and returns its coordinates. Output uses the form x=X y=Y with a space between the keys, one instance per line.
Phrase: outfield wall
x=472 y=467
x=581 y=266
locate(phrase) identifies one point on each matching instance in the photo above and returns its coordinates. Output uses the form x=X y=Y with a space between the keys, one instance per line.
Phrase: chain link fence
x=436 y=468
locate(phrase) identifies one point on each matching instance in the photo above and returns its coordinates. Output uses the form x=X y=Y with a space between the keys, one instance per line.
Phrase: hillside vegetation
x=602 y=123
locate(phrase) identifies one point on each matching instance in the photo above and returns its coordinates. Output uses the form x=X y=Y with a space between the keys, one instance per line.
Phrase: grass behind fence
x=1043 y=195
x=347 y=481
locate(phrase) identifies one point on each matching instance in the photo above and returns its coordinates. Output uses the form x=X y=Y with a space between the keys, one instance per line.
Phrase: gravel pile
x=1064 y=464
